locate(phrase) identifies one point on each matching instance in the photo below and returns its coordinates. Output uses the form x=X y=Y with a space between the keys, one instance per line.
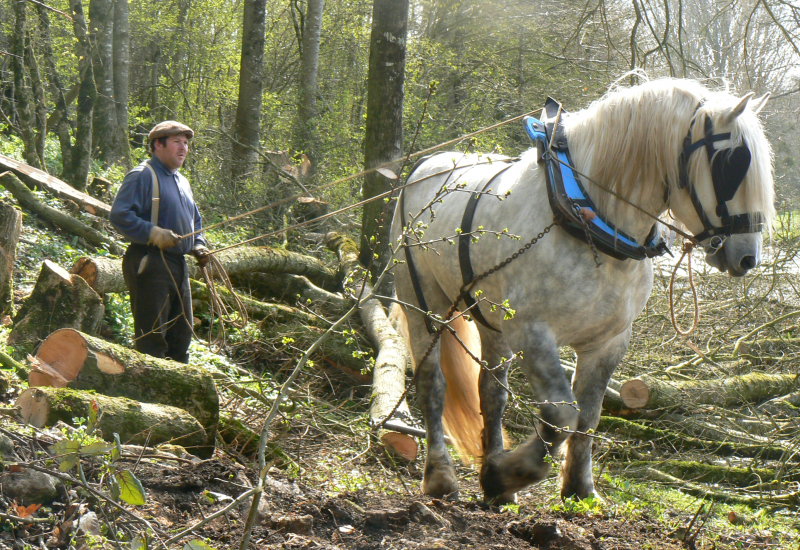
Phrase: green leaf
x=68 y=463
x=98 y=448
x=92 y=423
x=130 y=488
x=197 y=545
x=66 y=452
x=138 y=543
x=116 y=452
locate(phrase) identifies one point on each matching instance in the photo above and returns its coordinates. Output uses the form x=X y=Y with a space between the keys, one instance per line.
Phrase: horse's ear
x=739 y=109
x=761 y=102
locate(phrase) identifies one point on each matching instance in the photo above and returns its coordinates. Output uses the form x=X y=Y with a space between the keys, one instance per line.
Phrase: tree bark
x=392 y=361
x=25 y=103
x=102 y=274
x=82 y=151
x=247 y=125
x=105 y=134
x=306 y=132
x=122 y=64
x=264 y=259
x=28 y=200
x=39 y=100
x=10 y=227
x=58 y=121
x=383 y=140
x=58 y=300
x=136 y=423
x=651 y=393
x=33 y=178
x=88 y=363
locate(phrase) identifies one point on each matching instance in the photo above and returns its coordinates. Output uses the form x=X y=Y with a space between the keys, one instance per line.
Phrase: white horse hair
x=630 y=140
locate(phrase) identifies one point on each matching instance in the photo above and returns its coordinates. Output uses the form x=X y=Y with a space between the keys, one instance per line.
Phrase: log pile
x=147 y=388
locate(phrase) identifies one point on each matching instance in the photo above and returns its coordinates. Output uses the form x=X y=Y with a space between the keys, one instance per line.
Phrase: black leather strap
x=412 y=271
x=467 y=275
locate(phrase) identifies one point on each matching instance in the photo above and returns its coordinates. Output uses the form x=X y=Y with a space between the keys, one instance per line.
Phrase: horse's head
x=724 y=192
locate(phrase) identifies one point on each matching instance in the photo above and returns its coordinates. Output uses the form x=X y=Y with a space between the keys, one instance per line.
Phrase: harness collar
x=569 y=201
x=728 y=170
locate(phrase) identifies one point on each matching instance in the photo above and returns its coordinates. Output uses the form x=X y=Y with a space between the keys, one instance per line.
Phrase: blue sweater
x=130 y=214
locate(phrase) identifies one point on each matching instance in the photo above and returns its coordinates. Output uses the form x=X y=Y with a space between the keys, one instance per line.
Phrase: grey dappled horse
x=631 y=141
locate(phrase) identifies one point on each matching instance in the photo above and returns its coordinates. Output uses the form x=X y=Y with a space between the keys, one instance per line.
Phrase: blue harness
x=574 y=210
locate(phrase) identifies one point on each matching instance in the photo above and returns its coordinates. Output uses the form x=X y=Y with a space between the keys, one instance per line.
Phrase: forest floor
x=331 y=486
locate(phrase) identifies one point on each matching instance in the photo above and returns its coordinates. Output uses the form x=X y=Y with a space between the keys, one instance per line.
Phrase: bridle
x=728 y=169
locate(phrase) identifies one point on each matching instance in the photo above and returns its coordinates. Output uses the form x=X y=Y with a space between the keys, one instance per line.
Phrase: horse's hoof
x=581 y=493
x=503 y=474
x=500 y=500
x=440 y=482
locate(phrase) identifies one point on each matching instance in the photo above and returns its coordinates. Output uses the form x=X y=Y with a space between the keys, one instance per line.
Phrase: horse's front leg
x=594 y=370
x=503 y=474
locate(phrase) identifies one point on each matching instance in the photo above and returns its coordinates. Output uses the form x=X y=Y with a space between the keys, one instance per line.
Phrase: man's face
x=174 y=152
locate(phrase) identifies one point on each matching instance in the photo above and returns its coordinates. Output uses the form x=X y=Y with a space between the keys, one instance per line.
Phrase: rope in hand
x=214 y=269
x=688 y=246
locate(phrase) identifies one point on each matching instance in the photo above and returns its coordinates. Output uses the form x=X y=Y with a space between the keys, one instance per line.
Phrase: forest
x=298 y=421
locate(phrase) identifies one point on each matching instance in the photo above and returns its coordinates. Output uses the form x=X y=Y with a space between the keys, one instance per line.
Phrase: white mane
x=630 y=141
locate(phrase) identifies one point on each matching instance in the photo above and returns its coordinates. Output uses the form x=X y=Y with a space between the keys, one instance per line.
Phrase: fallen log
x=136 y=423
x=647 y=392
x=102 y=274
x=33 y=177
x=59 y=300
x=88 y=363
x=10 y=227
x=27 y=199
x=285 y=286
x=392 y=361
x=676 y=441
x=264 y=259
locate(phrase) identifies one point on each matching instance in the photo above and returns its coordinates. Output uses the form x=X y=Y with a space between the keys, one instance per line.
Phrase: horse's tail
x=462 y=418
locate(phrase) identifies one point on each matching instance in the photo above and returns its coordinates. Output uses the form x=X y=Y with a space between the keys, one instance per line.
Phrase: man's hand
x=163 y=238
x=202 y=254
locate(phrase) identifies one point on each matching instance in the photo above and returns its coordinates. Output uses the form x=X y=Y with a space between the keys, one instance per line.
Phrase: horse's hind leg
x=503 y=474
x=593 y=372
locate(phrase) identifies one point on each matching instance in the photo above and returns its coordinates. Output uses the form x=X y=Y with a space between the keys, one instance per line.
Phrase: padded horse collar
x=728 y=170
x=571 y=205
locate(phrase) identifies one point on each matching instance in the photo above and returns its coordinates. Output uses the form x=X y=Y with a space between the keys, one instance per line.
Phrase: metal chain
x=580 y=212
x=466 y=287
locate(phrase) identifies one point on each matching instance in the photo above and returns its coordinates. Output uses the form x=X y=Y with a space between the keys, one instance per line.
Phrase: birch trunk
x=306 y=132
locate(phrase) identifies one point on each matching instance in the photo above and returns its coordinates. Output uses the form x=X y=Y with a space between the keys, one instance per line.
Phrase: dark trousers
x=161 y=302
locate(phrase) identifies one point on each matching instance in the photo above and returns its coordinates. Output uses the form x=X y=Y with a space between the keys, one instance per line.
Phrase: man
x=159 y=286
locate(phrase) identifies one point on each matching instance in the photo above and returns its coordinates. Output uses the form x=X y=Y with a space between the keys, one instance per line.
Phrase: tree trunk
x=264 y=259
x=33 y=178
x=58 y=300
x=102 y=274
x=383 y=140
x=306 y=132
x=650 y=393
x=391 y=363
x=136 y=423
x=10 y=227
x=82 y=151
x=105 y=135
x=24 y=97
x=122 y=64
x=39 y=100
x=247 y=125
x=88 y=363
x=28 y=200
x=58 y=121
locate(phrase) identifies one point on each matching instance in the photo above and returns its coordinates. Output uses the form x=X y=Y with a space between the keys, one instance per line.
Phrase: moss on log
x=27 y=199
x=89 y=363
x=264 y=259
x=136 y=423
x=59 y=300
x=236 y=435
x=651 y=393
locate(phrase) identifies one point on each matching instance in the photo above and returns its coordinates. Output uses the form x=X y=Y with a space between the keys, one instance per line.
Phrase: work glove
x=202 y=254
x=163 y=238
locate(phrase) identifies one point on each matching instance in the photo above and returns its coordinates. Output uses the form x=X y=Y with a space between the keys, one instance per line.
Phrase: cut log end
x=634 y=394
x=65 y=351
x=400 y=446
x=87 y=269
x=33 y=408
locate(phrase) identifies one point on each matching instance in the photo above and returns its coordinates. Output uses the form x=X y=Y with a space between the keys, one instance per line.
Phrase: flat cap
x=169 y=128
